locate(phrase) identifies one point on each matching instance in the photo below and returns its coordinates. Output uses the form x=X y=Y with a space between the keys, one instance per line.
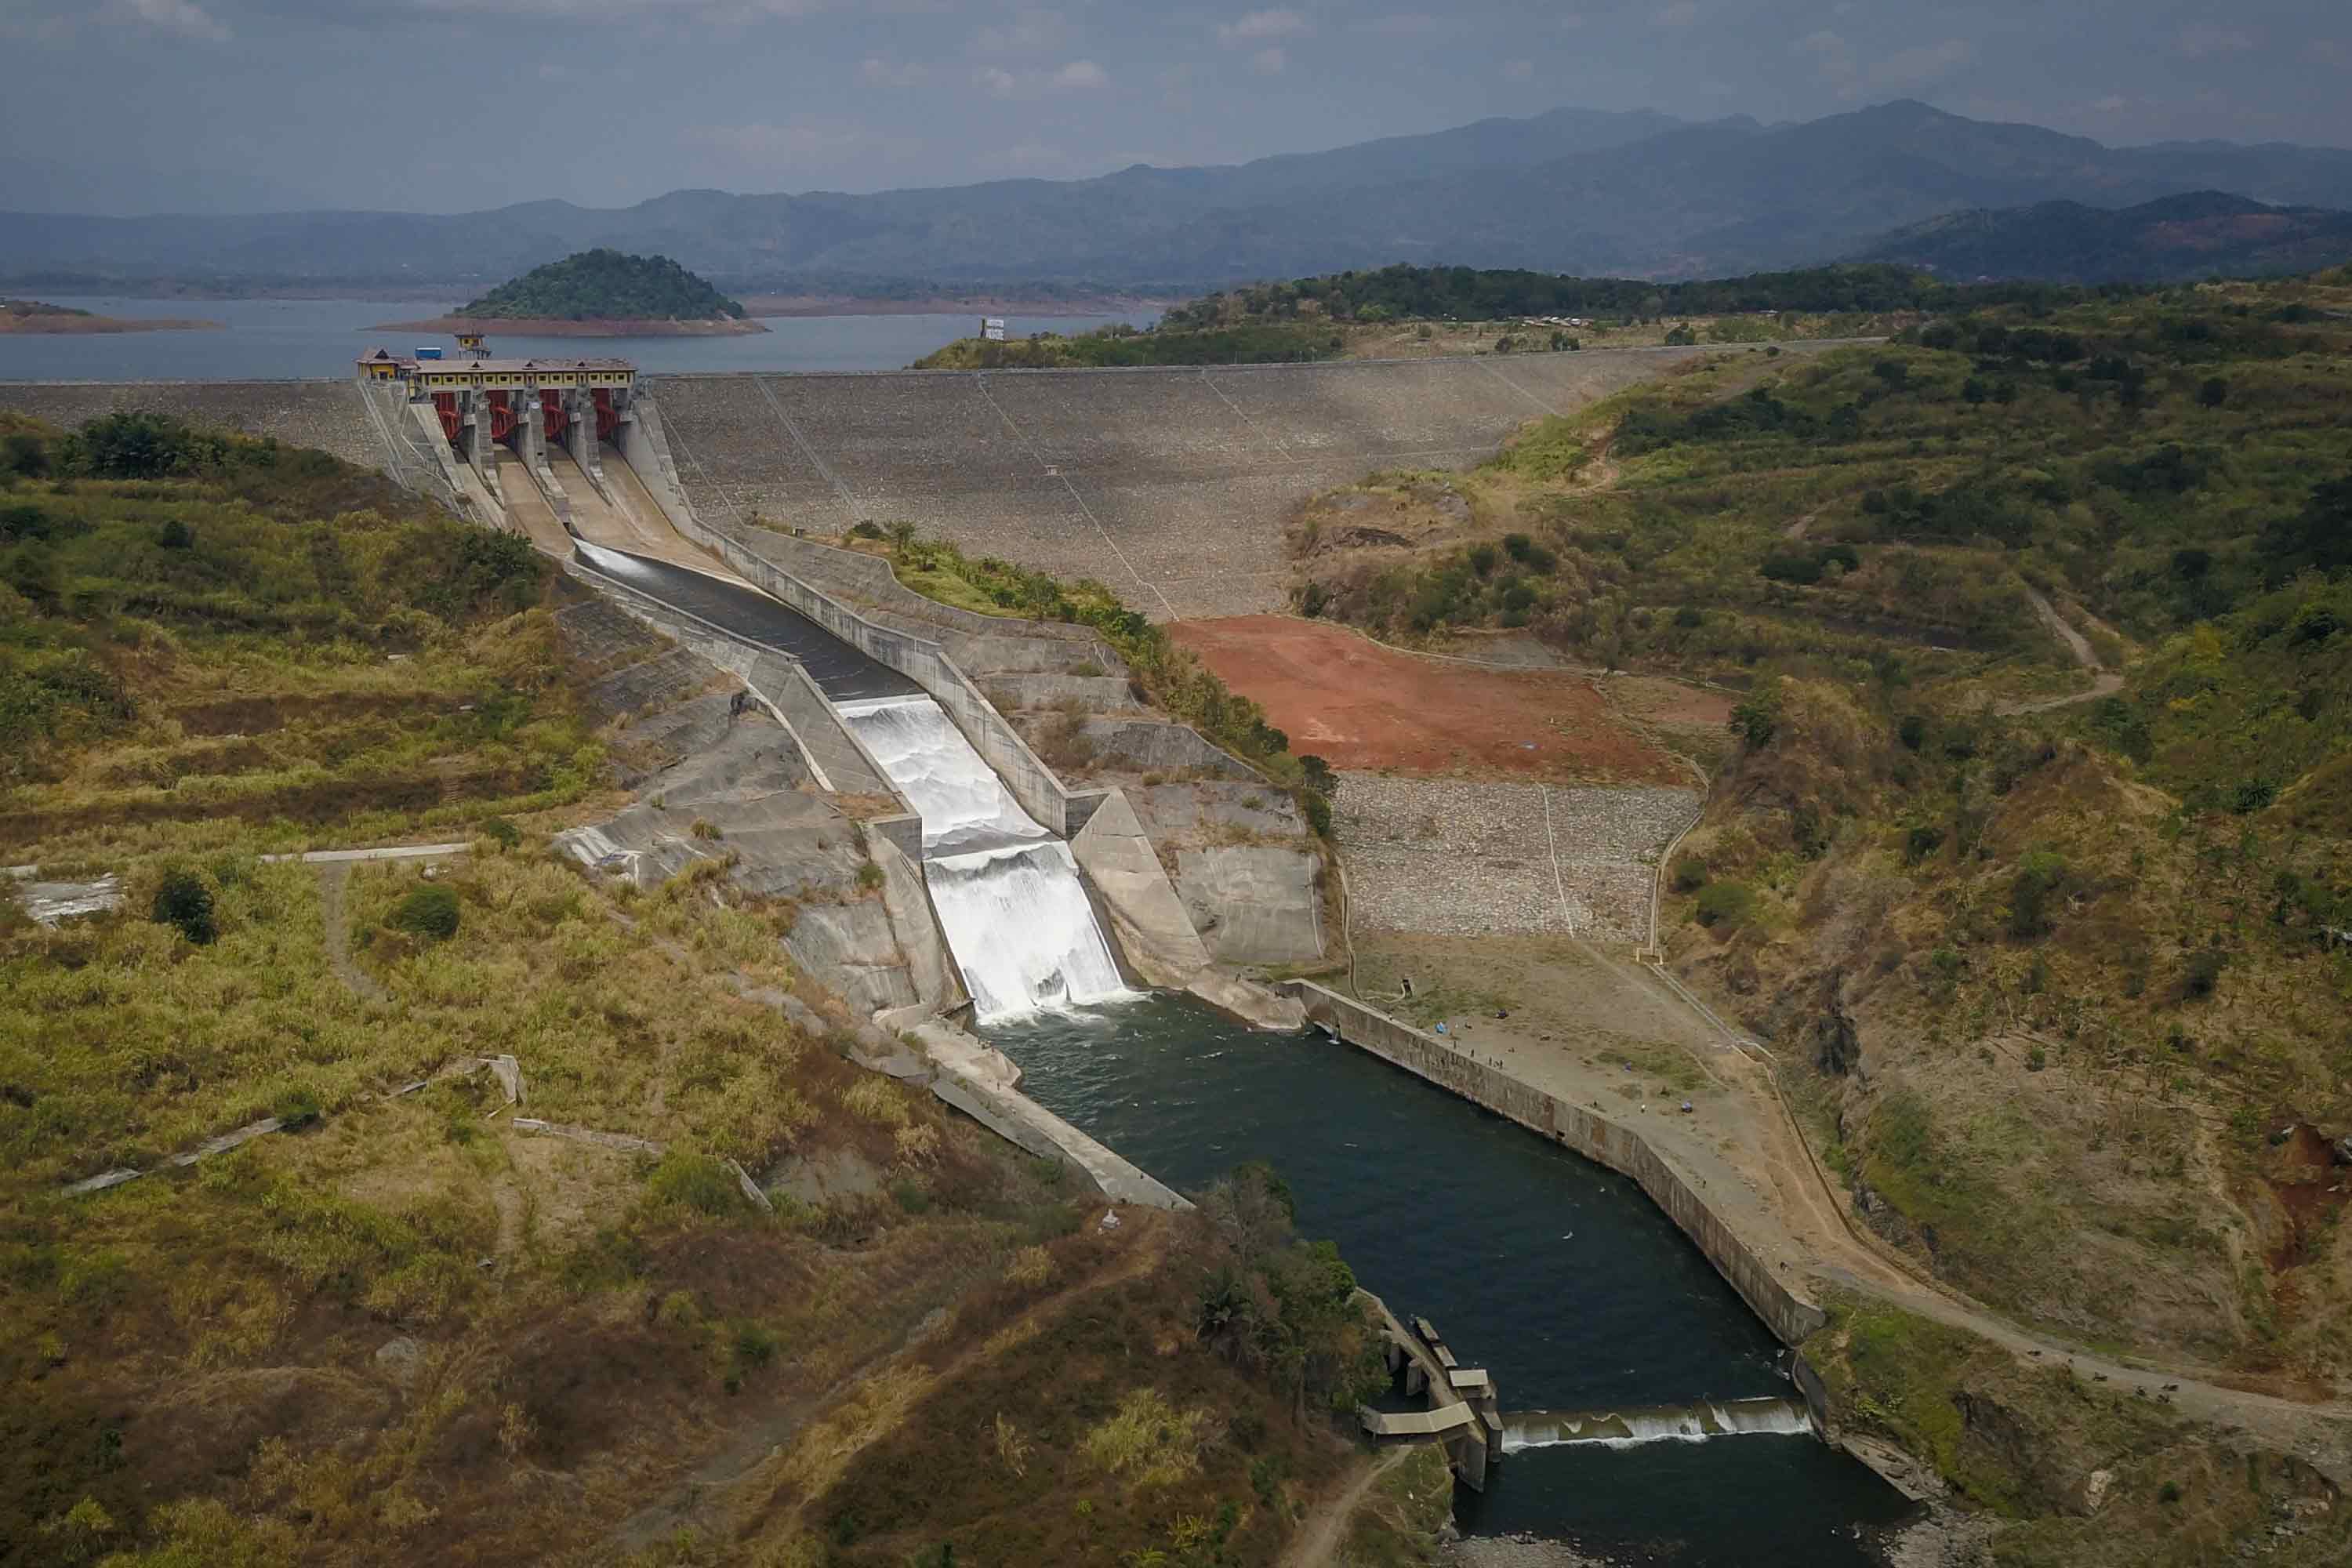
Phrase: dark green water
x=1560 y=1278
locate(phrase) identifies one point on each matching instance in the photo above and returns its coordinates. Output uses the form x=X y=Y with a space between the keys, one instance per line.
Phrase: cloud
x=2110 y=104
x=1519 y=70
x=183 y=17
x=1832 y=56
x=763 y=145
x=1033 y=31
x=1003 y=83
x=1269 y=61
x=2203 y=41
x=727 y=12
x=875 y=71
x=1082 y=76
x=1402 y=24
x=1921 y=64
x=1283 y=24
x=1676 y=14
x=1078 y=76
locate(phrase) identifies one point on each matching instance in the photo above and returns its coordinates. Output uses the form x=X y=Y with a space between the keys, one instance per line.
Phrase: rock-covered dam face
x=1169 y=484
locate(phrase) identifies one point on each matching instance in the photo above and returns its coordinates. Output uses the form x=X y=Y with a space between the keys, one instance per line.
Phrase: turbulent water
x=1008 y=894
x=1668 y=1423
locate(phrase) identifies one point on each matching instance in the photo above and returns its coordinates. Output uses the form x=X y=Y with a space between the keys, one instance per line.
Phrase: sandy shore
x=543 y=327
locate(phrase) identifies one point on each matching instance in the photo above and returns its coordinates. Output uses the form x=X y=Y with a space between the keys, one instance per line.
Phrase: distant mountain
x=1571 y=191
x=2169 y=239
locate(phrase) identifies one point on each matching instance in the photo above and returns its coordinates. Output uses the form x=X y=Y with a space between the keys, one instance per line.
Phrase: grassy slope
x=406 y=1334
x=2053 y=985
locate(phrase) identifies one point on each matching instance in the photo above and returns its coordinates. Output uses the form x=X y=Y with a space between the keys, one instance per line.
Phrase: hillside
x=400 y=1329
x=2177 y=238
x=1629 y=195
x=2048 y=959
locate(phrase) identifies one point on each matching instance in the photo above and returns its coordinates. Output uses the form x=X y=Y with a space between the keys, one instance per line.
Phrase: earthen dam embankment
x=1170 y=484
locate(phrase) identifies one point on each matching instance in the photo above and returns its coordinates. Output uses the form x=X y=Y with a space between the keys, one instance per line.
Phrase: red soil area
x=1361 y=706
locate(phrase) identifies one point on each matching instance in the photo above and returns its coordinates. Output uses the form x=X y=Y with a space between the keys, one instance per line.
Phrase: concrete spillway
x=1007 y=892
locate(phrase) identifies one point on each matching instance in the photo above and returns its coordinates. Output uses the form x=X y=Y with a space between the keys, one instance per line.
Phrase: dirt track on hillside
x=1365 y=708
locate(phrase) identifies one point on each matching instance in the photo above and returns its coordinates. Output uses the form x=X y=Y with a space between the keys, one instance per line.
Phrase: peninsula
x=32 y=318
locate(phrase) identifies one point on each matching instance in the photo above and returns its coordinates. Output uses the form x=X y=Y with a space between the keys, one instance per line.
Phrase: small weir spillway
x=1014 y=913
x=1012 y=907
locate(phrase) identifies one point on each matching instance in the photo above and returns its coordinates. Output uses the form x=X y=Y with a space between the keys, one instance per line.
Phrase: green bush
x=1724 y=904
x=501 y=832
x=183 y=900
x=1690 y=874
x=430 y=912
x=695 y=1182
x=2038 y=875
x=2201 y=974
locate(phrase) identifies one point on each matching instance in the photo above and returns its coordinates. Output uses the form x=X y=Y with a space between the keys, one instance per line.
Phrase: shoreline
x=47 y=325
x=803 y=305
x=552 y=327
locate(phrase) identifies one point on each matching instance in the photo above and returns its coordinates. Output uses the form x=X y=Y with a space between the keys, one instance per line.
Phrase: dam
x=1653 y=1407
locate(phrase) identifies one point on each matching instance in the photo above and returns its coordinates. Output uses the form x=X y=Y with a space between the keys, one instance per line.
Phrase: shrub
x=174 y=535
x=1724 y=904
x=1920 y=843
x=183 y=900
x=2203 y=972
x=706 y=831
x=501 y=832
x=2038 y=875
x=1482 y=559
x=1754 y=723
x=694 y=1182
x=430 y=912
x=1317 y=810
x=1912 y=731
x=1690 y=874
x=869 y=877
x=1314 y=775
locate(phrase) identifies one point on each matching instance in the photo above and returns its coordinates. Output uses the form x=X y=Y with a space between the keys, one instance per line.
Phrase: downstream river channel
x=1560 y=1278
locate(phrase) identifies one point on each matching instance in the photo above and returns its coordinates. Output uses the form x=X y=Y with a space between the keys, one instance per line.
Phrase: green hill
x=606 y=286
x=2200 y=235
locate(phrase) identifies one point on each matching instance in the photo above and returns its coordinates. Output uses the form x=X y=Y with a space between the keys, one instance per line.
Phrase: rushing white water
x=1630 y=1429
x=1008 y=894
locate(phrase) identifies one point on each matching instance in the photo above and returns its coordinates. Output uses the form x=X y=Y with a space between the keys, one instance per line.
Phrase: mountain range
x=1578 y=191
x=2171 y=239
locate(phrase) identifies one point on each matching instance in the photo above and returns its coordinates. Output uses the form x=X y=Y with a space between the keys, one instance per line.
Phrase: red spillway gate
x=502 y=416
x=608 y=418
x=551 y=415
x=444 y=404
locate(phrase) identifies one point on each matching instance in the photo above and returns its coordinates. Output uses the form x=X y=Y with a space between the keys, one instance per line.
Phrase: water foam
x=1666 y=1424
x=1008 y=895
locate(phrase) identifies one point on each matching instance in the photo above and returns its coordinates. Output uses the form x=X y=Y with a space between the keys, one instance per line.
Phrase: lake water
x=1560 y=1278
x=282 y=339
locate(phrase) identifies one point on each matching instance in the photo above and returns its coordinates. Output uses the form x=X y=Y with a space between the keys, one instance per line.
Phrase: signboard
x=992 y=328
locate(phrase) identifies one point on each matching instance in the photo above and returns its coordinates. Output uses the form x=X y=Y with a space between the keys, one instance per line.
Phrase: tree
x=2319 y=537
x=2214 y=393
x=185 y=903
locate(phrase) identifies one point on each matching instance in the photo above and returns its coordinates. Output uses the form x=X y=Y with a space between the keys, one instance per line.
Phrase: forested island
x=35 y=318
x=599 y=293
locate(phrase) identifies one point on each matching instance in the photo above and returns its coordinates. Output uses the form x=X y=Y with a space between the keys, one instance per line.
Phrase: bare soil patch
x=1363 y=707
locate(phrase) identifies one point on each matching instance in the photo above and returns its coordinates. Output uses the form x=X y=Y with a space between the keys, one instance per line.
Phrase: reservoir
x=1561 y=1278
x=293 y=340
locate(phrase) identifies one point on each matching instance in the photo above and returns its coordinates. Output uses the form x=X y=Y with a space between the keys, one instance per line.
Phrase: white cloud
x=1402 y=24
x=875 y=71
x=1081 y=76
x=1078 y=76
x=2111 y=103
x=1676 y=14
x=1032 y=31
x=183 y=17
x=1257 y=25
x=997 y=81
x=2203 y=41
x=1519 y=70
x=1269 y=61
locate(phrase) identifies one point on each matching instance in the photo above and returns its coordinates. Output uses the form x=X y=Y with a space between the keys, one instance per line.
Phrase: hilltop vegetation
x=2204 y=233
x=606 y=286
x=402 y=1331
x=2054 y=970
x=1119 y=345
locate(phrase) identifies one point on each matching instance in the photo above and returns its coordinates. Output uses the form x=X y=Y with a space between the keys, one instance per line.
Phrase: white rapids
x=1670 y=1423
x=1008 y=894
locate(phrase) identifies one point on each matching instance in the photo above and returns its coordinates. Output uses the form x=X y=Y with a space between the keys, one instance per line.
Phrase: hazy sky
x=208 y=105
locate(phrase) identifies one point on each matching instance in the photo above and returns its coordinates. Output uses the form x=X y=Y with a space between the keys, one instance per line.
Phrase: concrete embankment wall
x=328 y=414
x=1622 y=1149
x=1057 y=808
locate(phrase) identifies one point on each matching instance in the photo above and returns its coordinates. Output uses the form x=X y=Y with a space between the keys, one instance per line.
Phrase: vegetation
x=605 y=285
x=364 y=1341
x=1124 y=345
x=1889 y=506
x=1406 y=293
x=36 y=308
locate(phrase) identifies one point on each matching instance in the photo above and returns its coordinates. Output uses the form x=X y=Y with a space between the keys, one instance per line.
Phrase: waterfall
x=1668 y=1424
x=1008 y=894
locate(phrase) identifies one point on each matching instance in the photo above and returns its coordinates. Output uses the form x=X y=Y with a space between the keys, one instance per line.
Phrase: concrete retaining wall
x=1060 y=810
x=1591 y=1135
x=869 y=580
